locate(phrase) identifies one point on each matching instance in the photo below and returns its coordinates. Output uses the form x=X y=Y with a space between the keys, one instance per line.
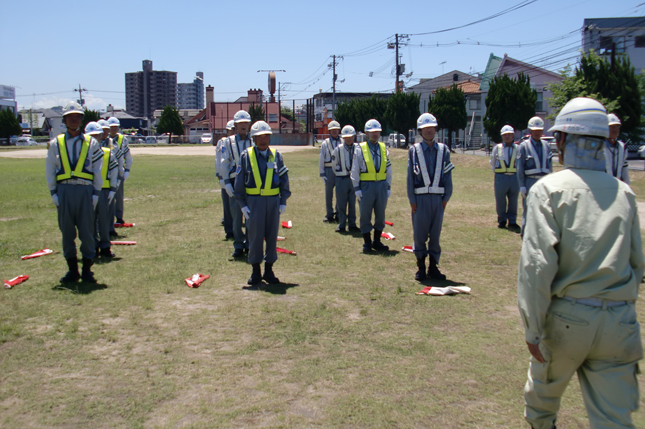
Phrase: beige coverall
x=579 y=274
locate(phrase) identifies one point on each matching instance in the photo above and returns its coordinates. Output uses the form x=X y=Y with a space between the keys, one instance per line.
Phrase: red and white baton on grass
x=123 y=243
x=124 y=225
x=288 y=252
x=389 y=223
x=196 y=280
x=287 y=224
x=37 y=254
x=407 y=249
x=388 y=235
x=8 y=284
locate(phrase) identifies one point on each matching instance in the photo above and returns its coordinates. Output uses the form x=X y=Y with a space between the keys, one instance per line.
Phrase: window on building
x=639 y=42
x=539 y=104
x=273 y=117
x=605 y=44
x=455 y=77
x=473 y=104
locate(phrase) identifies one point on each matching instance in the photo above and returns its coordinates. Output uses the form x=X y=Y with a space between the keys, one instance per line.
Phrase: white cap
x=583 y=116
x=73 y=108
x=426 y=120
x=348 y=131
x=333 y=125
x=93 y=128
x=241 y=116
x=536 y=123
x=613 y=119
x=114 y=122
x=372 y=125
x=260 y=128
x=507 y=129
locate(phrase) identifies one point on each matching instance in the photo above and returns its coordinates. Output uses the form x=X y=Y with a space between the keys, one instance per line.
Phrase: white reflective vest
x=431 y=187
x=546 y=152
x=236 y=152
x=330 y=150
x=609 y=157
x=343 y=160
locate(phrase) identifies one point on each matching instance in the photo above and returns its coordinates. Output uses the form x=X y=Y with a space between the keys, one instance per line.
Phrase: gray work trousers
x=75 y=212
x=602 y=345
x=374 y=199
x=103 y=220
x=426 y=225
x=529 y=181
x=507 y=189
x=118 y=198
x=262 y=226
x=329 y=192
x=239 y=238
x=345 y=201
x=228 y=218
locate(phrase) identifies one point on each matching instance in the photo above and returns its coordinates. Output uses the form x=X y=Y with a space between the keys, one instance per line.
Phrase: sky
x=50 y=48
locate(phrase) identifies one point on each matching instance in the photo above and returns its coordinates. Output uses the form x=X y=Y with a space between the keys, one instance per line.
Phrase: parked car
x=207 y=138
x=641 y=152
x=163 y=138
x=26 y=141
x=13 y=140
x=391 y=140
x=551 y=141
x=151 y=140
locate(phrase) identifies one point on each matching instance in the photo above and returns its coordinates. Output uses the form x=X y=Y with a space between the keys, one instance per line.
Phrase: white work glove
x=229 y=189
x=282 y=209
x=125 y=175
x=55 y=199
x=359 y=195
x=389 y=192
x=95 y=201
x=110 y=196
x=221 y=184
x=246 y=212
x=324 y=180
x=523 y=191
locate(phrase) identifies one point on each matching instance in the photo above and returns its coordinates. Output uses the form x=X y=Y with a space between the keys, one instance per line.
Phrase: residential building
x=148 y=90
x=625 y=35
x=127 y=121
x=427 y=87
x=191 y=95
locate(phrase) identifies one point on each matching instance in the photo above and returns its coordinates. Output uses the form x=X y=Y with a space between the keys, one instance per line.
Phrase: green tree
x=449 y=107
x=89 y=116
x=257 y=113
x=509 y=102
x=402 y=112
x=358 y=111
x=170 y=122
x=618 y=88
x=286 y=113
x=9 y=124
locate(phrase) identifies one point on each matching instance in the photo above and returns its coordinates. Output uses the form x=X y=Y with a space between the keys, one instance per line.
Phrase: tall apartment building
x=148 y=90
x=191 y=95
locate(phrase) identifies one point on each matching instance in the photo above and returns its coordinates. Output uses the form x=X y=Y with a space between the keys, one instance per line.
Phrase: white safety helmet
x=613 y=119
x=333 y=125
x=93 y=128
x=507 y=129
x=536 y=123
x=104 y=124
x=583 y=116
x=230 y=125
x=372 y=125
x=348 y=131
x=242 y=116
x=259 y=128
x=426 y=120
x=114 y=122
x=73 y=108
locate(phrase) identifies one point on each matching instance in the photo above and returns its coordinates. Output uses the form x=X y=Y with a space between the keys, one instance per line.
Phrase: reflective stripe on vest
x=344 y=169
x=119 y=140
x=609 y=168
x=372 y=175
x=503 y=168
x=545 y=157
x=104 y=169
x=267 y=191
x=64 y=160
x=429 y=188
x=330 y=149
x=235 y=150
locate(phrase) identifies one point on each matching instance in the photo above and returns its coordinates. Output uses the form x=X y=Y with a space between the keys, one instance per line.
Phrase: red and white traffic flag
x=287 y=224
x=123 y=243
x=196 y=280
x=407 y=249
x=124 y=225
x=388 y=235
x=289 y=252
x=37 y=254
x=8 y=284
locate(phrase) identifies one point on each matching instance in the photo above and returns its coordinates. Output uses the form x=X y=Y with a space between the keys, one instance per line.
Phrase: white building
x=627 y=35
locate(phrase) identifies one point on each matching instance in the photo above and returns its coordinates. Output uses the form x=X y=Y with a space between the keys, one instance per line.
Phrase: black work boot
x=86 y=274
x=367 y=245
x=421 y=265
x=256 y=276
x=72 y=275
x=107 y=253
x=433 y=271
x=377 y=245
x=268 y=274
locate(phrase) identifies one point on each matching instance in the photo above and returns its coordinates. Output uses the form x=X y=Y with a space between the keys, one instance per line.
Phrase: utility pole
x=399 y=68
x=396 y=88
x=333 y=85
x=80 y=95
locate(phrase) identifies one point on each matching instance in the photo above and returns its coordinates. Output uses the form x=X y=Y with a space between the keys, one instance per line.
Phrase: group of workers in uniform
x=85 y=170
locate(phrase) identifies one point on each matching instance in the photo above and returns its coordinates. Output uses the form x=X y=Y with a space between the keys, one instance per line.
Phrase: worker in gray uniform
x=110 y=175
x=262 y=190
x=429 y=186
x=533 y=161
x=503 y=160
x=616 y=162
x=579 y=273
x=73 y=170
x=122 y=143
x=372 y=180
x=342 y=159
x=326 y=171
x=227 y=219
x=232 y=150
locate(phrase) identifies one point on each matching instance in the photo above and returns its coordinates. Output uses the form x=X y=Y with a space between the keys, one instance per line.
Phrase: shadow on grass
x=106 y=260
x=275 y=289
x=82 y=288
x=440 y=283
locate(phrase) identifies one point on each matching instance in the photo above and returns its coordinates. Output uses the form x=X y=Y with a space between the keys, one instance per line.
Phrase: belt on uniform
x=507 y=174
x=596 y=302
x=75 y=182
x=328 y=164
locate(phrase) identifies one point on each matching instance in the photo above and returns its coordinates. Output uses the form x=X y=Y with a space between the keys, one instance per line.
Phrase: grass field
x=342 y=342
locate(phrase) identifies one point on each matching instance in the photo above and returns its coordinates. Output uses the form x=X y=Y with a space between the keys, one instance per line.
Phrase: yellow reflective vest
x=66 y=171
x=503 y=168
x=267 y=190
x=372 y=175
x=104 y=169
x=119 y=139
